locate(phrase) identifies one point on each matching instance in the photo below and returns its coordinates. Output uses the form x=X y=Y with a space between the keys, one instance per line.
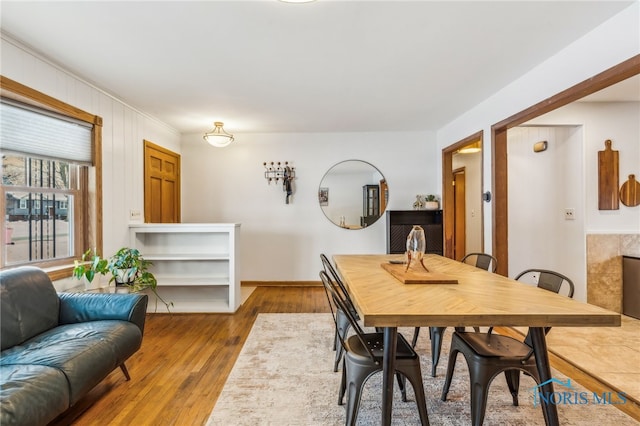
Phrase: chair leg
x=513 y=382
x=416 y=332
x=125 y=371
x=479 y=393
x=436 y=334
x=402 y=385
x=355 y=382
x=450 y=367
x=414 y=375
x=343 y=386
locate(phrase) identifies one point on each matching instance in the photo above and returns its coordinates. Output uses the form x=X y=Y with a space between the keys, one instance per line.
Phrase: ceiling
x=325 y=66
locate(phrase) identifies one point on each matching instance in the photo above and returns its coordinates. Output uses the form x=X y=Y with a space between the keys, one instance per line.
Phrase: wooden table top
x=480 y=298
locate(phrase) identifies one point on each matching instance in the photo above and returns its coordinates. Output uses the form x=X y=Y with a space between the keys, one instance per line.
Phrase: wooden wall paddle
x=608 y=178
x=630 y=192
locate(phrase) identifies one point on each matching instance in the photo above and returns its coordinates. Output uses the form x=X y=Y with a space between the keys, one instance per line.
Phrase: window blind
x=28 y=130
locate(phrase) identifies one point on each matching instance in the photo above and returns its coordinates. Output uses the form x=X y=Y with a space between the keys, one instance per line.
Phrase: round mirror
x=353 y=194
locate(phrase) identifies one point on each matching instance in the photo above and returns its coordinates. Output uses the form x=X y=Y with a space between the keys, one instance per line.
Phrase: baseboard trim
x=281 y=283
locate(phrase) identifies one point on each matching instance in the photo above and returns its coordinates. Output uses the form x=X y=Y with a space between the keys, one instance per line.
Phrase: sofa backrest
x=29 y=306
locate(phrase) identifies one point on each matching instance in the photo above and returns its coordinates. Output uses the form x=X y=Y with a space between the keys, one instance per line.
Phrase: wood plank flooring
x=178 y=374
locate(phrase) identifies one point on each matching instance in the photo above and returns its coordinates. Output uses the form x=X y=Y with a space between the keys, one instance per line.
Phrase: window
x=38 y=222
x=50 y=192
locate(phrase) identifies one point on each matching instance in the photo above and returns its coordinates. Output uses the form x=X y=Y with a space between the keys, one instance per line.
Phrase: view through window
x=39 y=200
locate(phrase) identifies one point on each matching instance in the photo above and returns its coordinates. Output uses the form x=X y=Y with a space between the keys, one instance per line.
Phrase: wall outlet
x=569 y=214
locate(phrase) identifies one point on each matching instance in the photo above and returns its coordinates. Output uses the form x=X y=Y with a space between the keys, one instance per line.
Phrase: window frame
x=88 y=219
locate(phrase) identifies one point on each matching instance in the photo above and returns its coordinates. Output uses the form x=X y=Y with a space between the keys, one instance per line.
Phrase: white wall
x=281 y=242
x=605 y=46
x=619 y=122
x=124 y=130
x=541 y=186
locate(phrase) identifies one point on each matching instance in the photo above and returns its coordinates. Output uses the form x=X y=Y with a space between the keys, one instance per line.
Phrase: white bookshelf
x=196 y=264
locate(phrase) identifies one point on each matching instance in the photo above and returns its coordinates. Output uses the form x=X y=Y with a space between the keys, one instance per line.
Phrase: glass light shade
x=218 y=137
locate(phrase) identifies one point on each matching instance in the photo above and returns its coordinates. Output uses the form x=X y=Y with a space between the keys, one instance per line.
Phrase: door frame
x=447 y=190
x=609 y=77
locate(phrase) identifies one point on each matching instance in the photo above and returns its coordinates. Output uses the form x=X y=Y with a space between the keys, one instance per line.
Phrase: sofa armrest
x=82 y=307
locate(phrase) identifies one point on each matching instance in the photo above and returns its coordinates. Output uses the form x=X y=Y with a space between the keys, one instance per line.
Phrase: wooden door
x=161 y=184
x=459 y=191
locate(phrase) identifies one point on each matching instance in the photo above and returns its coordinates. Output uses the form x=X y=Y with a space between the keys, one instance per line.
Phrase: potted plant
x=90 y=266
x=129 y=268
x=431 y=202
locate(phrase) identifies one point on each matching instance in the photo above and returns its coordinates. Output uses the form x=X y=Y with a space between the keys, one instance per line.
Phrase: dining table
x=470 y=297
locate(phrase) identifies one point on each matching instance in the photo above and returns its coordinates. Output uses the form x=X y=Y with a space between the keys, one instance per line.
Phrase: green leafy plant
x=431 y=197
x=90 y=265
x=129 y=268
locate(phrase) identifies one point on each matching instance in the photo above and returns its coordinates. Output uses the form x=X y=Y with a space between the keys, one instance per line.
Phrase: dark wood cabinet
x=400 y=222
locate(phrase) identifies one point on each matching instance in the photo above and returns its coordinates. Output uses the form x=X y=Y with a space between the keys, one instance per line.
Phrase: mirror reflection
x=353 y=194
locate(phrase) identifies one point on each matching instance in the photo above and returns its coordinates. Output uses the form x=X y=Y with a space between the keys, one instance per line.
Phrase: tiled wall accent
x=604 y=267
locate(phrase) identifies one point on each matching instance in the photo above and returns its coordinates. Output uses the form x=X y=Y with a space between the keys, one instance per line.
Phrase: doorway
x=462 y=199
x=161 y=184
x=459 y=226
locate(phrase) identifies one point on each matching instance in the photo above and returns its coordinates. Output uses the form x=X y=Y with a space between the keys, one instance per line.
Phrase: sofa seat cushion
x=84 y=352
x=32 y=394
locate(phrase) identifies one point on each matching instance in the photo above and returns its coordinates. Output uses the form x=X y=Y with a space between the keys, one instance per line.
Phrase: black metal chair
x=479 y=260
x=363 y=353
x=489 y=354
x=342 y=322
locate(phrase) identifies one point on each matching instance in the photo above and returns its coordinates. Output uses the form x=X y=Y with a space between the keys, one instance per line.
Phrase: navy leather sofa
x=58 y=346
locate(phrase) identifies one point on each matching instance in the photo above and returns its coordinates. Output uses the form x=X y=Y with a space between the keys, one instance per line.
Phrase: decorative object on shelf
x=630 y=192
x=431 y=202
x=276 y=172
x=218 y=137
x=608 y=198
x=416 y=247
x=129 y=268
x=419 y=203
x=89 y=268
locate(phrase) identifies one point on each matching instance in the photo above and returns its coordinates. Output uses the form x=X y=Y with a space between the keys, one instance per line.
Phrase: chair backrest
x=333 y=274
x=333 y=291
x=482 y=260
x=548 y=280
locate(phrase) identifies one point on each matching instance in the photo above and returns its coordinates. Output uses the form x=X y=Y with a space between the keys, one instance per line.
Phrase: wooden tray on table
x=417 y=275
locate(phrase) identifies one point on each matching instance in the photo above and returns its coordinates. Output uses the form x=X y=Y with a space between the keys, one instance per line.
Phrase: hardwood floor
x=178 y=374
x=183 y=363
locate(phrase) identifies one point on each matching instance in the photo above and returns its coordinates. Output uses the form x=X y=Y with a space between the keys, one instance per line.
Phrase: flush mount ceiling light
x=470 y=149
x=218 y=137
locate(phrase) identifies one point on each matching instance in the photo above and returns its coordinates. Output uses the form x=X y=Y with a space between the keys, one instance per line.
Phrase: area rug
x=284 y=376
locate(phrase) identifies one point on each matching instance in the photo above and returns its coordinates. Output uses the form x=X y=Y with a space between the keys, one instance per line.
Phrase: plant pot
x=92 y=285
x=431 y=205
x=124 y=276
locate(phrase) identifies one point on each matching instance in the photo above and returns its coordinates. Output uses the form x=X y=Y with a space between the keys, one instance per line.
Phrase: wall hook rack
x=274 y=172
x=278 y=171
